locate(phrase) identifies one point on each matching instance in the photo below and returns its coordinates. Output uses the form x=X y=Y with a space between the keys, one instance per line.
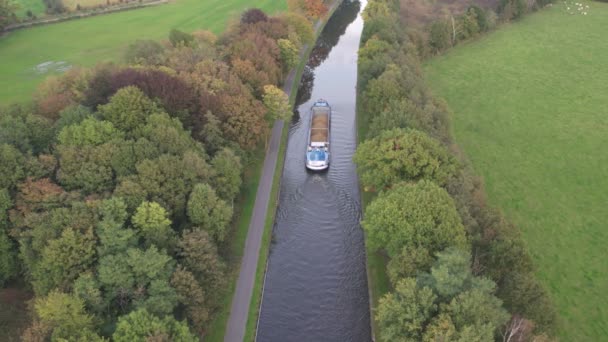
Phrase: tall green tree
x=207 y=210
x=65 y=314
x=227 y=178
x=11 y=166
x=198 y=254
x=403 y=314
x=141 y=326
x=151 y=220
x=410 y=215
x=128 y=108
x=89 y=132
x=402 y=155
x=63 y=260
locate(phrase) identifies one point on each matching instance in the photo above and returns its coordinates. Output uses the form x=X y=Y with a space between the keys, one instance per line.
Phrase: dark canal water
x=316 y=283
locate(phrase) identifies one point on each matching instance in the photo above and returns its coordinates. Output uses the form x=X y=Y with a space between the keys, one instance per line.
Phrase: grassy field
x=530 y=105
x=102 y=38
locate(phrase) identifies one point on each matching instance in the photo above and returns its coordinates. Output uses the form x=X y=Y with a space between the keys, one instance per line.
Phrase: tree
x=301 y=26
x=289 y=53
x=86 y=168
x=140 y=326
x=451 y=275
x=477 y=313
x=168 y=180
x=408 y=263
x=71 y=115
x=227 y=178
x=65 y=315
x=140 y=278
x=191 y=296
x=403 y=314
x=277 y=103
x=439 y=36
x=152 y=221
x=146 y=52
x=179 y=38
x=253 y=15
x=402 y=155
x=167 y=135
x=8 y=264
x=199 y=255
x=420 y=214
x=11 y=166
x=113 y=236
x=212 y=134
x=87 y=288
x=207 y=210
x=89 y=132
x=127 y=109
x=27 y=132
x=7 y=13
x=63 y=260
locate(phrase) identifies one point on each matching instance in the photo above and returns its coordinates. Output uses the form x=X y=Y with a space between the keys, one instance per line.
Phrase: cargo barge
x=317 y=152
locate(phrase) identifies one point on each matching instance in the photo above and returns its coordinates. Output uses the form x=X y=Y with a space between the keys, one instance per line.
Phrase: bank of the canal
x=316 y=284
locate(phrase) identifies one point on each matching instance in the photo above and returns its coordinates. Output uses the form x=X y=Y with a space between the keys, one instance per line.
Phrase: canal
x=316 y=284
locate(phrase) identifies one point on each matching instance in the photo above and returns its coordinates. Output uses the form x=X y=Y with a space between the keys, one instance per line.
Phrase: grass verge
x=87 y=41
x=529 y=104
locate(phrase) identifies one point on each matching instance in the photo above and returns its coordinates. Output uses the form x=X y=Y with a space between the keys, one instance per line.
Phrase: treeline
x=447 y=31
x=459 y=270
x=117 y=183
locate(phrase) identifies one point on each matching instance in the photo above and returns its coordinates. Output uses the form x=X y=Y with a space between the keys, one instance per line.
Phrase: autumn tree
x=277 y=103
x=191 y=296
x=409 y=215
x=253 y=15
x=290 y=53
x=198 y=254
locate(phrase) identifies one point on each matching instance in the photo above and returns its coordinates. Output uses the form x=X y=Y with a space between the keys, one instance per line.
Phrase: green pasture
x=104 y=38
x=530 y=109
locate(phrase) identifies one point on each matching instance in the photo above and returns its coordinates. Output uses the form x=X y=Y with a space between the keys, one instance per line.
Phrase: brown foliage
x=176 y=96
x=192 y=296
x=36 y=195
x=315 y=8
x=253 y=15
x=57 y=93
